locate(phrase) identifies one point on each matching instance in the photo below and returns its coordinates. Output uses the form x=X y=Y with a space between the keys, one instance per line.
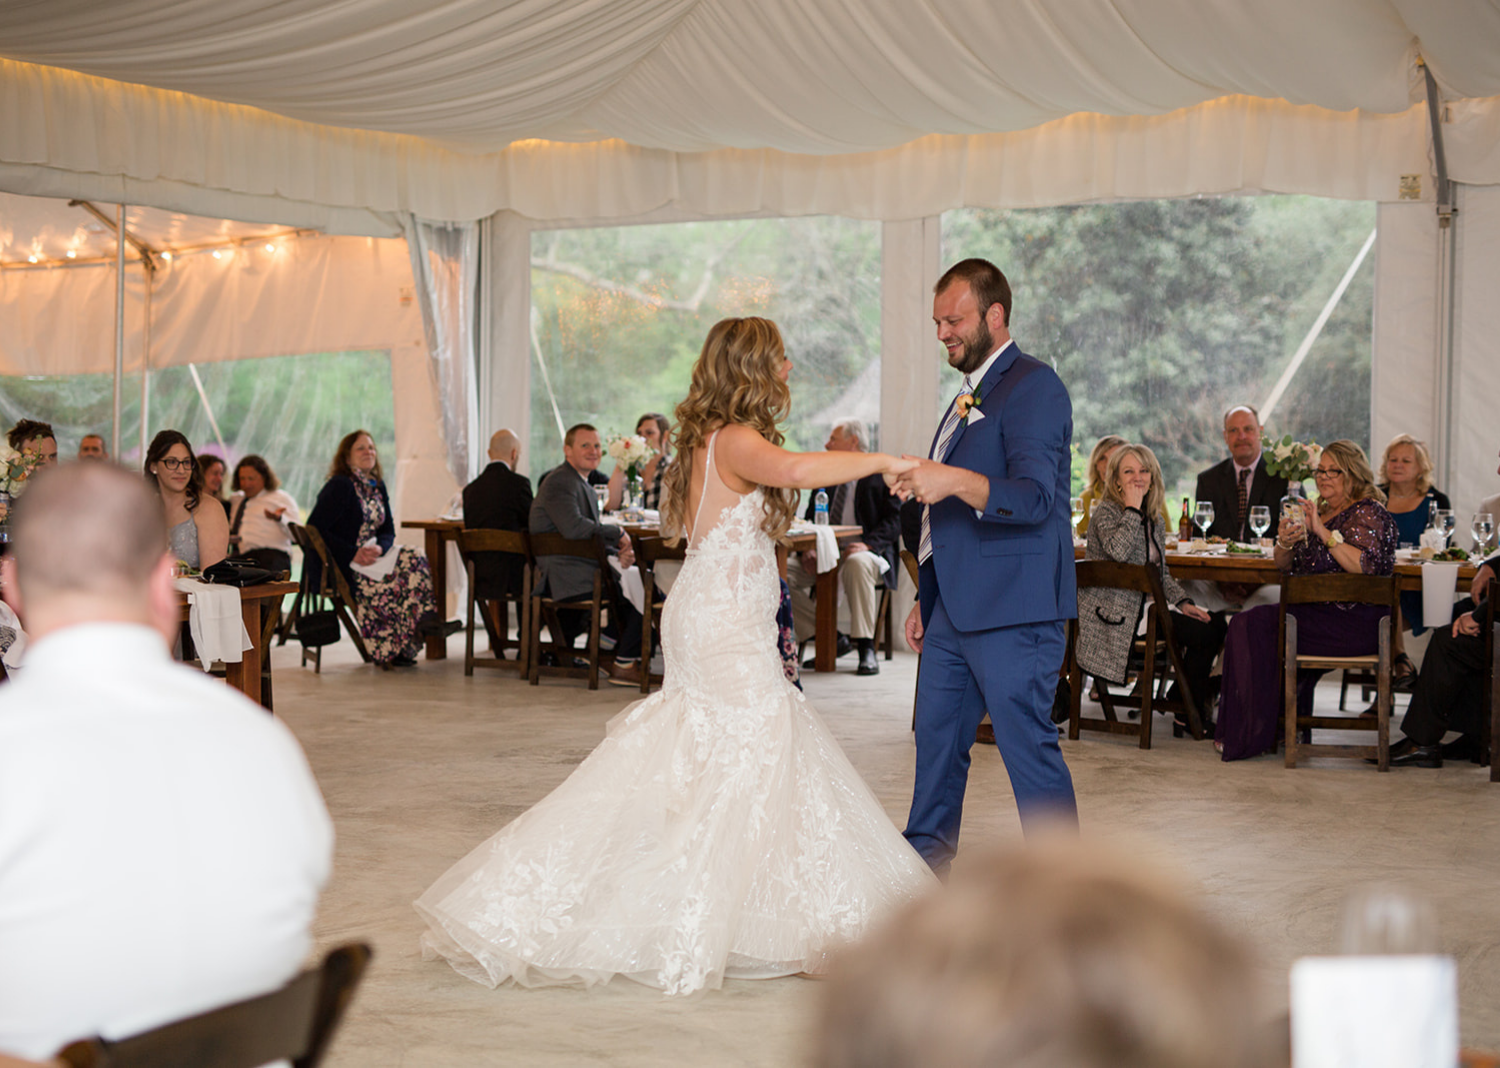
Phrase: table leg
x=826 y=640
x=437 y=563
x=245 y=676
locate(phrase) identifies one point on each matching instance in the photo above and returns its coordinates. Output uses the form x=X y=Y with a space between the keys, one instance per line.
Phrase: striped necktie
x=1242 y=504
x=939 y=451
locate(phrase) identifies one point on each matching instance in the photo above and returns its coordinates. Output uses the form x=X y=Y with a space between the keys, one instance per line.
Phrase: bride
x=718 y=831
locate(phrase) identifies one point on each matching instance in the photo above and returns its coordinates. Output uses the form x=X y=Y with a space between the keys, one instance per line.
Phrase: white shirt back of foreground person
x=162 y=842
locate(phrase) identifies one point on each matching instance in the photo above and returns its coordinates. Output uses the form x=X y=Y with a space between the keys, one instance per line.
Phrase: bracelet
x=1283 y=545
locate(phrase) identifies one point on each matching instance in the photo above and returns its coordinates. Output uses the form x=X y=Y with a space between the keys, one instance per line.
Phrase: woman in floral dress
x=353 y=514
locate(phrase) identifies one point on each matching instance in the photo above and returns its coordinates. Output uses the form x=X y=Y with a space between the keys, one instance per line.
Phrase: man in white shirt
x=162 y=841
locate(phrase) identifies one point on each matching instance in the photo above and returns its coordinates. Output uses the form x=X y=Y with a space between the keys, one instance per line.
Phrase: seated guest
x=1093 y=493
x=566 y=504
x=653 y=428
x=212 y=469
x=1063 y=955
x=162 y=842
x=1241 y=482
x=869 y=505
x=199 y=535
x=259 y=515
x=91 y=447
x=1406 y=481
x=34 y=439
x=1126 y=529
x=499 y=499
x=353 y=515
x=1349 y=530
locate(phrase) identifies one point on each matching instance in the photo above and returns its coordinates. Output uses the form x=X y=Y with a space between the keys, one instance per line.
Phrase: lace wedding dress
x=717 y=832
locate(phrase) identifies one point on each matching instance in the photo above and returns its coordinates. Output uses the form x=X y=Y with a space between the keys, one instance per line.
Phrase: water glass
x=601 y=493
x=1482 y=528
x=1260 y=520
x=1075 y=506
x=1203 y=517
x=1446 y=523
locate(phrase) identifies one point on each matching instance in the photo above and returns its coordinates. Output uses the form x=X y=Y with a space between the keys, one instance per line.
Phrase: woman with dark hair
x=1348 y=530
x=199 y=536
x=718 y=831
x=392 y=584
x=260 y=513
x=653 y=428
x=212 y=470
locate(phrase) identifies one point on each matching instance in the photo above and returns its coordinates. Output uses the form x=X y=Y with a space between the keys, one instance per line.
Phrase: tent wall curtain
x=445 y=268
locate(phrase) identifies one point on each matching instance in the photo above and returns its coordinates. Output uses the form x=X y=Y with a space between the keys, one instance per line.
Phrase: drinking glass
x=1204 y=517
x=1380 y=920
x=1075 y=505
x=1260 y=520
x=1482 y=526
x=602 y=493
x=1446 y=523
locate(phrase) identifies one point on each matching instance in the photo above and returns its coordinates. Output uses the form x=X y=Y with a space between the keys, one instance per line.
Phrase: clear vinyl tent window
x=619 y=315
x=290 y=409
x=1160 y=314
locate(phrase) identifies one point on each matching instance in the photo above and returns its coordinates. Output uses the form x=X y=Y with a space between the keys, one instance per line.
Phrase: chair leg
x=1144 y=685
x=1383 y=699
x=1289 y=688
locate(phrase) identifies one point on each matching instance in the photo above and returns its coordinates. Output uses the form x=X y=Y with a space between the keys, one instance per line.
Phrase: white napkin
x=828 y=548
x=382 y=567
x=1374 y=1012
x=215 y=621
x=1439 y=581
x=631 y=584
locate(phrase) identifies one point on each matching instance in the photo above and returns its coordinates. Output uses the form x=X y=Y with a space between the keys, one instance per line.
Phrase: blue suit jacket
x=1014 y=564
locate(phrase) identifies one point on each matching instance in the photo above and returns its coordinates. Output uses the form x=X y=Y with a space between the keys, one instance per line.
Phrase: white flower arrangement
x=630 y=451
x=1291 y=460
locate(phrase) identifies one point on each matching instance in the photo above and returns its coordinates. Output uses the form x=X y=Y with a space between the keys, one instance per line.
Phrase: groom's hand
x=914 y=630
x=930 y=482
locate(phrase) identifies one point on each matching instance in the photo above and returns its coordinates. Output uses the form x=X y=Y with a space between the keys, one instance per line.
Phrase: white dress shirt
x=162 y=842
x=257 y=530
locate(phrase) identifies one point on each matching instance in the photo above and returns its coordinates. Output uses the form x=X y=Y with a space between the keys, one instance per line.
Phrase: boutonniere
x=967 y=404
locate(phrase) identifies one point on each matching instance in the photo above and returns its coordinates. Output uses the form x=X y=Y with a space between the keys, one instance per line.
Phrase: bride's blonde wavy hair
x=737 y=379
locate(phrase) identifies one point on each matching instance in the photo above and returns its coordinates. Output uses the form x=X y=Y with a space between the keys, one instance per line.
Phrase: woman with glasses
x=1348 y=530
x=199 y=535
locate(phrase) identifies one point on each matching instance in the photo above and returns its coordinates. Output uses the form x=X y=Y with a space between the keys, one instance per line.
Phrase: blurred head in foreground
x=89 y=544
x=1062 y=954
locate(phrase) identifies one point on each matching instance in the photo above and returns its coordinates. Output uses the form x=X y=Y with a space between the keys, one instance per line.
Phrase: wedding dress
x=717 y=832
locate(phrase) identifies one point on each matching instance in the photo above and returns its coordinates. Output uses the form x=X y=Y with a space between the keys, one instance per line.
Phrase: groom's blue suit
x=996 y=594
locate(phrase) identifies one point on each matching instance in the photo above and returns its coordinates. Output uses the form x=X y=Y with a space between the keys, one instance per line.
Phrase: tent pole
x=146 y=362
x=208 y=410
x=114 y=435
x=1445 y=462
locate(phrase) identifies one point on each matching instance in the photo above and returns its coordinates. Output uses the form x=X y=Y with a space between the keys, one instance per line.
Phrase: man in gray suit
x=566 y=504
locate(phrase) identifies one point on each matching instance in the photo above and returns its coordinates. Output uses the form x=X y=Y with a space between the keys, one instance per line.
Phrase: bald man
x=162 y=841
x=499 y=499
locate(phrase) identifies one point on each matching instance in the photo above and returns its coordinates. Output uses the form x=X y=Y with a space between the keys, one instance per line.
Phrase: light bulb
x=218 y=254
x=72 y=254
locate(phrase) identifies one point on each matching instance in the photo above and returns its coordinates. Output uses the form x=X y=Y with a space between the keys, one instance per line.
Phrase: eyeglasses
x=1327 y=472
x=174 y=465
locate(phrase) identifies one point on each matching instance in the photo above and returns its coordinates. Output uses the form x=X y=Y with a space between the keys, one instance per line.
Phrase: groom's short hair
x=1058 y=955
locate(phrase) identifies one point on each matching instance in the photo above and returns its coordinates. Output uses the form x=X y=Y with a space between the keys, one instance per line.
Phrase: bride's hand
x=896 y=466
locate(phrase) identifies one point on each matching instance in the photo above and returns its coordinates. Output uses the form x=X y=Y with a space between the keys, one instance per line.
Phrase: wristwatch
x=1334 y=538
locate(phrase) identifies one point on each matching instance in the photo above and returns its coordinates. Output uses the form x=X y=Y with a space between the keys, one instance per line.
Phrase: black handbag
x=319 y=627
x=232 y=572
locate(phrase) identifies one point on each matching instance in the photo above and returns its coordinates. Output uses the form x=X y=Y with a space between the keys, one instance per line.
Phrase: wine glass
x=1203 y=517
x=602 y=494
x=1260 y=520
x=1075 y=505
x=1482 y=527
x=1446 y=523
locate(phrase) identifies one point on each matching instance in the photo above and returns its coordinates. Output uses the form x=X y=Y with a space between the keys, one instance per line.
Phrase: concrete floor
x=418 y=766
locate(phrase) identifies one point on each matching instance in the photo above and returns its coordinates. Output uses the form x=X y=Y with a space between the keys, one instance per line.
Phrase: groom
x=996 y=581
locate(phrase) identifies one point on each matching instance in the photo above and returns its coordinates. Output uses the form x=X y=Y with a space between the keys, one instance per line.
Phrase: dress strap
x=708 y=468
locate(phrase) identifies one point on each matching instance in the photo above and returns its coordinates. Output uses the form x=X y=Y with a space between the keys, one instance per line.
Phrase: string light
x=32 y=258
x=270 y=247
x=218 y=254
x=72 y=253
x=166 y=257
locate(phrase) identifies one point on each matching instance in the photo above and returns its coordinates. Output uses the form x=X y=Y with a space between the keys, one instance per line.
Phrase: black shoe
x=1182 y=728
x=840 y=649
x=868 y=663
x=404 y=661
x=1464 y=747
x=1408 y=754
x=432 y=625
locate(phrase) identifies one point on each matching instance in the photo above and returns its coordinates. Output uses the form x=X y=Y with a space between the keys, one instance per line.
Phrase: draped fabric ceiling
x=306 y=112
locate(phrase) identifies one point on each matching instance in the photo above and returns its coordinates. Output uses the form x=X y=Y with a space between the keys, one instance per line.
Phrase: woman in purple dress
x=1349 y=530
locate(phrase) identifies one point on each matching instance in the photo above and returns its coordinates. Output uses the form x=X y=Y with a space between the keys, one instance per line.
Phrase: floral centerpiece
x=1294 y=461
x=631 y=452
x=16 y=468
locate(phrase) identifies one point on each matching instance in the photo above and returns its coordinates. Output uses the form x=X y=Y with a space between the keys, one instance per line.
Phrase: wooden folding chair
x=295 y=1023
x=1349 y=589
x=648 y=553
x=1149 y=689
x=545 y=609
x=495 y=612
x=1490 y=719
x=331 y=584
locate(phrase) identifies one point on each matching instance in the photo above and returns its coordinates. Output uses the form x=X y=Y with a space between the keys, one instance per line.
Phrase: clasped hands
x=920 y=479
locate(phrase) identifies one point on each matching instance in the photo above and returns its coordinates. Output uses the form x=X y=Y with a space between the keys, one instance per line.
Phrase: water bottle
x=820 y=508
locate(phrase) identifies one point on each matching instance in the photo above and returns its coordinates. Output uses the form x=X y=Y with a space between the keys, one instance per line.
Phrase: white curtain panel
x=445 y=266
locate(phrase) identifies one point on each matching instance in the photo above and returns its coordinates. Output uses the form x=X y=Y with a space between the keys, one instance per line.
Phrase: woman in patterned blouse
x=1349 y=530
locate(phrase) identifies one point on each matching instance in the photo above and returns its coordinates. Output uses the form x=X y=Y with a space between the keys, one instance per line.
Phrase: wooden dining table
x=260 y=608
x=438 y=532
x=1261 y=570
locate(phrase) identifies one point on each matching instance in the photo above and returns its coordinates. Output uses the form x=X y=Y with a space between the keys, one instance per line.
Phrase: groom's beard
x=977 y=349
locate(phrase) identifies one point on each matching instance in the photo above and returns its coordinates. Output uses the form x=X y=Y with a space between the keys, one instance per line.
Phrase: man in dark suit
x=868 y=504
x=566 y=504
x=996 y=583
x=499 y=499
x=1242 y=481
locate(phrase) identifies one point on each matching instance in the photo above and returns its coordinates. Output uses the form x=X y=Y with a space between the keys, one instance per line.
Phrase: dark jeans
x=1199 y=643
x=626 y=629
